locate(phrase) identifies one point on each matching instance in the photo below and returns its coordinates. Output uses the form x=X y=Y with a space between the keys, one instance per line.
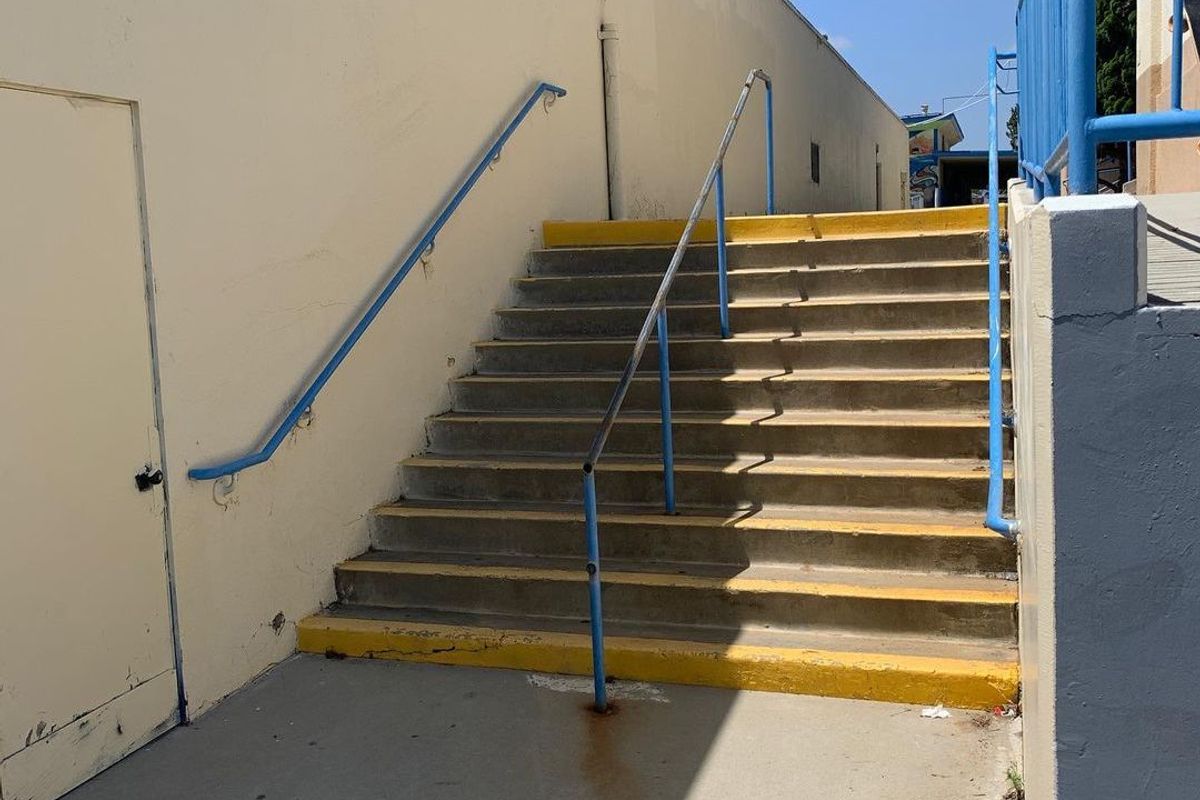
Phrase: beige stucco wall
x=294 y=149
x=683 y=63
x=1029 y=243
x=1170 y=165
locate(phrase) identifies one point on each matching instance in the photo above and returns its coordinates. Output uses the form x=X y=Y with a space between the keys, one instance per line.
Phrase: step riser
x=883 y=250
x=583 y=322
x=717 y=395
x=708 y=607
x=696 y=544
x=788 y=354
x=478 y=437
x=786 y=286
x=734 y=489
x=920 y=682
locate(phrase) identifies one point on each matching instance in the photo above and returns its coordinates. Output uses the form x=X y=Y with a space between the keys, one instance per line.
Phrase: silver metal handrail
x=657 y=317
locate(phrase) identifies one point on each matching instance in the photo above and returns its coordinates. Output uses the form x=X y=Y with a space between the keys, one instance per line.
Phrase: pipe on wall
x=609 y=60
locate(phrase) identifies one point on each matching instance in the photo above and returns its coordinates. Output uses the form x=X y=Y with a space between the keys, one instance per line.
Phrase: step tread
x=775 y=337
x=771 y=643
x=779 y=579
x=946 y=468
x=785 y=270
x=744 y=418
x=746 y=375
x=853 y=521
x=849 y=300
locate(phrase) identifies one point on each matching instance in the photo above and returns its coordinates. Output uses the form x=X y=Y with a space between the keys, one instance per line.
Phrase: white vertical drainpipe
x=609 y=54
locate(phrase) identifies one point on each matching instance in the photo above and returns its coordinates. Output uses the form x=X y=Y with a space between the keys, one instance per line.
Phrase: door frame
x=135 y=121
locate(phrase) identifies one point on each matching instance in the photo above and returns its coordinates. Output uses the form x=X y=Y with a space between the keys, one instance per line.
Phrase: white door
x=86 y=655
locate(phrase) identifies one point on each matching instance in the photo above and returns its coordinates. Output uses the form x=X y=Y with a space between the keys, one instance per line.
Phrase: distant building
x=941 y=176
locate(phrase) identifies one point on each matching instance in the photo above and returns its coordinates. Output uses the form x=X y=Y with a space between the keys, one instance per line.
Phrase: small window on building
x=815 y=151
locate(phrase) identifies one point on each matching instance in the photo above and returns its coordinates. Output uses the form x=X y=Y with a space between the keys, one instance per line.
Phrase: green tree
x=1116 y=56
x=1014 y=125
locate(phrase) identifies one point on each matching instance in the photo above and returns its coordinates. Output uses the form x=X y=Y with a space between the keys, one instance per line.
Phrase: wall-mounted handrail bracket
x=420 y=252
x=656 y=322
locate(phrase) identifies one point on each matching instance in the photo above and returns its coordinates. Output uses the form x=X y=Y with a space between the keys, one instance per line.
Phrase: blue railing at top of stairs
x=423 y=245
x=656 y=319
x=1056 y=78
x=1059 y=128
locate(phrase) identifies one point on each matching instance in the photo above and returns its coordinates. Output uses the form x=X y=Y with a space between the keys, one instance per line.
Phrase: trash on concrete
x=937 y=712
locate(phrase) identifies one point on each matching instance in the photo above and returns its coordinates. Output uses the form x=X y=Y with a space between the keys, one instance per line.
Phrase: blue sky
x=919 y=51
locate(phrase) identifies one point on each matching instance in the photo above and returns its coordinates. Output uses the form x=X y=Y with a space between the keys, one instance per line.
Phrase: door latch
x=147 y=478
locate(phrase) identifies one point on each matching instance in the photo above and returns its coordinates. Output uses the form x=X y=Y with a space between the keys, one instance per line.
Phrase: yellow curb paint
x=778 y=228
x=777 y=524
x=958 y=683
x=1002 y=597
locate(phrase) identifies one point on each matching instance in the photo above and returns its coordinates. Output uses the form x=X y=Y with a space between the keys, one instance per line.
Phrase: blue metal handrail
x=995 y=519
x=424 y=244
x=656 y=318
x=1056 y=50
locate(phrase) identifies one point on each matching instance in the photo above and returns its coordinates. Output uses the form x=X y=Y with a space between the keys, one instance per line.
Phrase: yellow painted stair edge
x=866 y=676
x=778 y=228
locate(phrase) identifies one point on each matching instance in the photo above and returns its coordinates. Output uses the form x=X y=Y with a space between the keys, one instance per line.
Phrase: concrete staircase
x=830 y=466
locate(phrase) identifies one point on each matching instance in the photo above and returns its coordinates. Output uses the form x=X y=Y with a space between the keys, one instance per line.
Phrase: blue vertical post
x=1177 y=55
x=593 y=572
x=722 y=256
x=995 y=501
x=664 y=400
x=1081 y=94
x=771 y=150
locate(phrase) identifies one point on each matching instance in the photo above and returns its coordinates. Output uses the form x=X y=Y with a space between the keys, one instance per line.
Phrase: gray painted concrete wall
x=1108 y=412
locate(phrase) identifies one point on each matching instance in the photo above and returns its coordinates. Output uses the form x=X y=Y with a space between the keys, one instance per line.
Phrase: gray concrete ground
x=322 y=729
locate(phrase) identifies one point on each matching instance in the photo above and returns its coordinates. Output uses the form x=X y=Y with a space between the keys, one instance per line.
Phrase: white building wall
x=683 y=63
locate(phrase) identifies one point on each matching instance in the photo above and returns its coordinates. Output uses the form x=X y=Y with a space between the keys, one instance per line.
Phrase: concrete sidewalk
x=317 y=729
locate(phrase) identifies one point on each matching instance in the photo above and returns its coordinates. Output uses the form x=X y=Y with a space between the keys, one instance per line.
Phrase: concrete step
x=947 y=310
x=829 y=537
x=733 y=482
x=965 y=246
x=961 y=673
x=774 y=283
x=960 y=390
x=770 y=434
x=708 y=596
x=783 y=351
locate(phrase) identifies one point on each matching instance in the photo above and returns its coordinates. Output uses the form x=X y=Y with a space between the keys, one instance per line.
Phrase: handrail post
x=593 y=573
x=770 y=123
x=722 y=256
x=1081 y=95
x=995 y=500
x=656 y=315
x=1177 y=56
x=664 y=399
